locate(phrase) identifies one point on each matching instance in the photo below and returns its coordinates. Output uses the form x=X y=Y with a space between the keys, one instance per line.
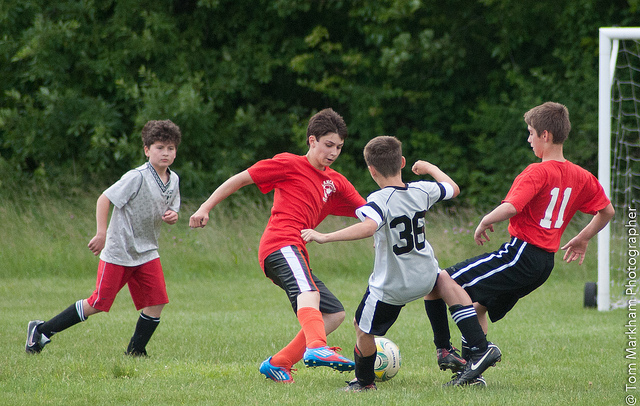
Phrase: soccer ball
x=387 y=359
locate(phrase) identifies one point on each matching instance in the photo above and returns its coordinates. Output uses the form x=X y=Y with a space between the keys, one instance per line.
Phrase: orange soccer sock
x=292 y=353
x=313 y=326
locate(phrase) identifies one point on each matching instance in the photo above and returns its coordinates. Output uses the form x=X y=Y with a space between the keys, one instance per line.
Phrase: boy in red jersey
x=306 y=191
x=539 y=206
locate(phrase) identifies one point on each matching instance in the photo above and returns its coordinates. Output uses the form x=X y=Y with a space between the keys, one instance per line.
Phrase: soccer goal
x=618 y=167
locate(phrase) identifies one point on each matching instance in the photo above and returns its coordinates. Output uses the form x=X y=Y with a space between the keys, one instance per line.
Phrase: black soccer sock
x=437 y=313
x=70 y=316
x=465 y=351
x=144 y=330
x=467 y=321
x=365 y=367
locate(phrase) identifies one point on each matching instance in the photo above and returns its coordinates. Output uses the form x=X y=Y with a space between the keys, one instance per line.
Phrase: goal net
x=619 y=166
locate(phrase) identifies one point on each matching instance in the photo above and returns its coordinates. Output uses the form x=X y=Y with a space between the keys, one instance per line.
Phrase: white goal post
x=608 y=46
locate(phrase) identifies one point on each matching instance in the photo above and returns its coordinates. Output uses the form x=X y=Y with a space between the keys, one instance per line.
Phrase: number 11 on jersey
x=548 y=214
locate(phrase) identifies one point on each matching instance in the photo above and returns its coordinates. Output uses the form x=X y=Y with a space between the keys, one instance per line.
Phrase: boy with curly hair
x=128 y=248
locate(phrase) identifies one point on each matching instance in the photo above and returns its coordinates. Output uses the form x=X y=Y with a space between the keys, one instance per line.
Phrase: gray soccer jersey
x=405 y=266
x=140 y=199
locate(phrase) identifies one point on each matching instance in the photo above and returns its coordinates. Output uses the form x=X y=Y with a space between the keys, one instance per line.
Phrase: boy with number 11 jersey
x=539 y=206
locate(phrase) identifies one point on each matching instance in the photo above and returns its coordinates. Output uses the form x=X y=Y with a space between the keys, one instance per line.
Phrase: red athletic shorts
x=146 y=285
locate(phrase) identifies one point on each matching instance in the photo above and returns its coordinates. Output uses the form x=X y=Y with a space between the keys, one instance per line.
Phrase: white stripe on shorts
x=369 y=310
x=499 y=269
x=482 y=260
x=98 y=296
x=298 y=272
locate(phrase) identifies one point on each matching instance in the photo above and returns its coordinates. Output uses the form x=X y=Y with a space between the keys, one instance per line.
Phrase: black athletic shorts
x=497 y=280
x=289 y=269
x=376 y=317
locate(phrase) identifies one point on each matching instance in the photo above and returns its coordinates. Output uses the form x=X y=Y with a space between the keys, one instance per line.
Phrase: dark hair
x=161 y=130
x=552 y=117
x=384 y=153
x=324 y=122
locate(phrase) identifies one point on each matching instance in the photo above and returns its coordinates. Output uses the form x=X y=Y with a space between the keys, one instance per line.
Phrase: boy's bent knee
x=332 y=321
x=153 y=311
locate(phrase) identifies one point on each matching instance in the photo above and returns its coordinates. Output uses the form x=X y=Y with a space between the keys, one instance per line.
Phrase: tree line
x=241 y=78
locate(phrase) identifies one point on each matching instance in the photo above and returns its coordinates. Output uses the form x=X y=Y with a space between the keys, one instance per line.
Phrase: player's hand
x=575 y=248
x=312 y=235
x=422 y=168
x=97 y=244
x=480 y=235
x=170 y=217
x=199 y=219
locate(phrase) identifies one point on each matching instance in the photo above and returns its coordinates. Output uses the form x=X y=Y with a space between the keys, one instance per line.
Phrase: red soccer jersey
x=546 y=196
x=303 y=197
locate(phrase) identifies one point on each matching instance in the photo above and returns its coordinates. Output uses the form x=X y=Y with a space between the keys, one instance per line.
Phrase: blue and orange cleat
x=327 y=357
x=277 y=374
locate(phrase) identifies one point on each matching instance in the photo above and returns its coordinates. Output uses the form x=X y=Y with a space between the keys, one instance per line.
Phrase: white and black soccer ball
x=388 y=359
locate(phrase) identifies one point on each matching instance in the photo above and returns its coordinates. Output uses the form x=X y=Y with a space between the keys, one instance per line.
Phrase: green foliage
x=241 y=78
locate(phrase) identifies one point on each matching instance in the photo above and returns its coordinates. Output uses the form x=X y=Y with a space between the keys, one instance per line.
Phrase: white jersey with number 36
x=405 y=266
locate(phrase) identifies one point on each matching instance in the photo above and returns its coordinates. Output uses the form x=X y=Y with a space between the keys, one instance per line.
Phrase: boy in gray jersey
x=405 y=267
x=143 y=198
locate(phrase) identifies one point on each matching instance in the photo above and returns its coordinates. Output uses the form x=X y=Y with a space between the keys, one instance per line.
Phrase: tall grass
x=225 y=317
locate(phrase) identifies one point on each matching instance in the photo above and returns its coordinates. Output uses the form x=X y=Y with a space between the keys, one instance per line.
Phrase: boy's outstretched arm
x=355 y=232
x=427 y=168
x=501 y=213
x=231 y=185
x=577 y=246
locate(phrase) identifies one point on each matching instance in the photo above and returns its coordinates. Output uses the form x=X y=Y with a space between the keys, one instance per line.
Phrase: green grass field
x=225 y=318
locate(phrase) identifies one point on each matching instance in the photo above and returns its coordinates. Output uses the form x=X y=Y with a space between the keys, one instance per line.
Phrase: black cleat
x=450 y=359
x=354 y=386
x=35 y=341
x=135 y=354
x=478 y=363
x=478 y=382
